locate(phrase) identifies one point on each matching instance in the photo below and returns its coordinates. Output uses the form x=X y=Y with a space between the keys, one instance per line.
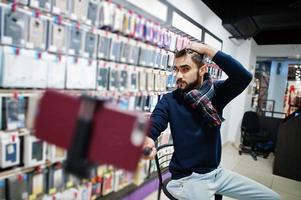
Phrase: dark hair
x=195 y=56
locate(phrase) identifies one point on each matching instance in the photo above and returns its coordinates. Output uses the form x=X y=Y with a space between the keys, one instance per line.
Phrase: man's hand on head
x=202 y=49
x=149 y=144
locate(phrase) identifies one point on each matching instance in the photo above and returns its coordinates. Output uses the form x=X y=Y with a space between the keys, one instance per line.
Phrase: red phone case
x=112 y=140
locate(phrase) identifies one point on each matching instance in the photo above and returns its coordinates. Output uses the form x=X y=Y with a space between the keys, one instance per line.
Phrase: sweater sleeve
x=159 y=118
x=238 y=79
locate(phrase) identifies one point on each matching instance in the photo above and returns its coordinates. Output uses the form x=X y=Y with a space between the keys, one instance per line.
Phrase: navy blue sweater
x=197 y=146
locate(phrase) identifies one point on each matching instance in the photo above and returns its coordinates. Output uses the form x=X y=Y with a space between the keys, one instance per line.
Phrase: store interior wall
x=291 y=51
x=277 y=83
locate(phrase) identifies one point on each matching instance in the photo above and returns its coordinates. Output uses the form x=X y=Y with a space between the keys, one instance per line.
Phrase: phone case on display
x=123 y=102
x=92 y=13
x=81 y=73
x=16 y=68
x=155 y=34
x=17 y=187
x=14 y=111
x=85 y=191
x=118 y=19
x=124 y=50
x=9 y=149
x=11 y=113
x=58 y=36
x=173 y=42
x=123 y=79
x=149 y=33
x=169 y=80
x=55 y=179
x=1 y=113
x=41 y=4
x=71 y=180
x=89 y=74
x=132 y=24
x=147 y=102
x=55 y=153
x=157 y=80
x=139 y=28
x=150 y=50
x=139 y=103
x=126 y=23
x=90 y=44
x=153 y=57
x=75 y=41
x=134 y=52
x=179 y=43
x=2 y=189
x=166 y=39
x=34 y=151
x=96 y=189
x=150 y=80
x=142 y=80
x=115 y=48
x=37 y=33
x=56 y=75
x=106 y=14
x=74 y=73
x=186 y=41
x=154 y=101
x=103 y=76
x=132 y=100
x=143 y=55
x=104 y=44
x=70 y=194
x=79 y=9
x=117 y=180
x=158 y=59
x=39 y=70
x=37 y=183
x=171 y=59
x=14 y=27
x=134 y=81
x=149 y=56
x=114 y=77
x=160 y=37
x=108 y=183
x=61 y=6
x=164 y=60
x=163 y=84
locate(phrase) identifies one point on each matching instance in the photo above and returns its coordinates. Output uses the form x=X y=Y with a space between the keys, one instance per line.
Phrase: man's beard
x=189 y=86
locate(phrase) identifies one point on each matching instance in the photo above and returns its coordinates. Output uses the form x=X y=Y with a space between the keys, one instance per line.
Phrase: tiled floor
x=260 y=170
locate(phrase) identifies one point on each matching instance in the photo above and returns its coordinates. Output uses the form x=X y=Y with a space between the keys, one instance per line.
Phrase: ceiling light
x=296 y=66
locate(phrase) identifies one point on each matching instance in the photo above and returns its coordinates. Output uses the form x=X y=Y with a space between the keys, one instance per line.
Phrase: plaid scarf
x=200 y=99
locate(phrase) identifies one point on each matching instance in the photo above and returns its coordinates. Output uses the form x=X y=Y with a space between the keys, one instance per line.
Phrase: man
x=194 y=112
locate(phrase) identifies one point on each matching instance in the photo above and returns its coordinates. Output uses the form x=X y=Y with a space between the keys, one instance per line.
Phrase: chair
x=252 y=134
x=162 y=163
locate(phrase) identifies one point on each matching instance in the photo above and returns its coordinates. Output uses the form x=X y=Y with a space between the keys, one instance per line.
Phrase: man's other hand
x=149 y=144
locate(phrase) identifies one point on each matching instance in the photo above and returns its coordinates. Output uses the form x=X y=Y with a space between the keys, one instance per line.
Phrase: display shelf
x=5 y=173
x=130 y=189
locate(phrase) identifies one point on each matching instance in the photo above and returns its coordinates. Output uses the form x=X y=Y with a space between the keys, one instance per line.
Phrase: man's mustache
x=179 y=81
